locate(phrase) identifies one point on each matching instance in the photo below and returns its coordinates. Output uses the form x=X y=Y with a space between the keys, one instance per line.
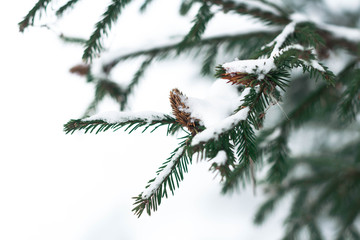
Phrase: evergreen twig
x=168 y=177
x=65 y=7
x=202 y=18
x=93 y=45
x=131 y=125
x=29 y=18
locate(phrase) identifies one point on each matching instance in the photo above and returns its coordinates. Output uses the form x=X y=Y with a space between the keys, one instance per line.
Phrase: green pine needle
x=93 y=45
x=70 y=4
x=29 y=18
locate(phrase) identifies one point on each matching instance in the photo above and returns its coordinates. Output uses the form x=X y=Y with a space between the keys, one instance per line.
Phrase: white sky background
x=79 y=187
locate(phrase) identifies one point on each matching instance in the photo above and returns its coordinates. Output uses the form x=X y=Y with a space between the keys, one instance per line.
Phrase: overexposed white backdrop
x=79 y=187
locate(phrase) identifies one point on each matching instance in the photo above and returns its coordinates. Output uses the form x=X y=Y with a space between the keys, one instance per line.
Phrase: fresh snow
x=220 y=158
x=225 y=125
x=162 y=175
x=251 y=66
x=115 y=117
x=221 y=100
x=213 y=131
x=262 y=66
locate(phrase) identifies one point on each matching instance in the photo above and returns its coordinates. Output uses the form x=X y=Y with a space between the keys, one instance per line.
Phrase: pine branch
x=145 y=5
x=209 y=60
x=131 y=122
x=202 y=18
x=137 y=76
x=65 y=7
x=185 y=6
x=93 y=45
x=169 y=175
x=233 y=41
x=334 y=186
x=222 y=148
x=349 y=106
x=257 y=12
x=268 y=206
x=75 y=40
x=29 y=18
x=246 y=152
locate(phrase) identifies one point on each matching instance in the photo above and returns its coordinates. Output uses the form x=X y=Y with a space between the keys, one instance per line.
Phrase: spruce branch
x=246 y=152
x=70 y=4
x=209 y=60
x=257 y=12
x=222 y=148
x=76 y=40
x=349 y=106
x=202 y=18
x=232 y=42
x=169 y=175
x=334 y=186
x=135 y=80
x=131 y=122
x=145 y=5
x=186 y=6
x=29 y=18
x=93 y=45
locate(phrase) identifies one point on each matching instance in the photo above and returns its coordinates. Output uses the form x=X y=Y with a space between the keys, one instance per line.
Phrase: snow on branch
x=163 y=174
x=225 y=125
x=168 y=177
x=284 y=54
x=116 y=120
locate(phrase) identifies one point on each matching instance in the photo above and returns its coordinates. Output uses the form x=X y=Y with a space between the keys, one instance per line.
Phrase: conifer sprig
x=145 y=5
x=349 y=106
x=130 y=125
x=169 y=175
x=93 y=45
x=70 y=4
x=246 y=154
x=243 y=8
x=333 y=177
x=229 y=42
x=29 y=18
x=74 y=40
x=136 y=78
x=201 y=20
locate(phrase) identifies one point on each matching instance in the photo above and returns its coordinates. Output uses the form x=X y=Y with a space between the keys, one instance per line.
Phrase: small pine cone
x=80 y=69
x=239 y=78
x=178 y=105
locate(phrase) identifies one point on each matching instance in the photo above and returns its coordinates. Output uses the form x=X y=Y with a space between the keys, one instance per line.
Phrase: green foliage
x=74 y=40
x=320 y=192
x=93 y=45
x=29 y=18
x=97 y=126
x=173 y=169
x=349 y=106
x=202 y=18
x=330 y=186
x=70 y=4
x=145 y=5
